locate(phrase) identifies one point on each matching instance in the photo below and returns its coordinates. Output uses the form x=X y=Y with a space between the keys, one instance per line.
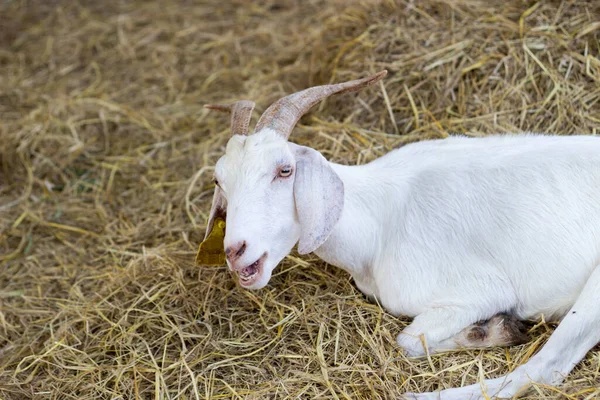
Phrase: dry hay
x=106 y=163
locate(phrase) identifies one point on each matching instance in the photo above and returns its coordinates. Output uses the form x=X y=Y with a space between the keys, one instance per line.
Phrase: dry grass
x=105 y=182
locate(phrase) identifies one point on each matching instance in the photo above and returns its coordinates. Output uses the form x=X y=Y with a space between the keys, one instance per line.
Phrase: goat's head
x=272 y=193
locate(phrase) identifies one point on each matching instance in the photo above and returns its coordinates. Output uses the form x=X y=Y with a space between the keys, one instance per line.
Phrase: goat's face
x=272 y=194
x=256 y=178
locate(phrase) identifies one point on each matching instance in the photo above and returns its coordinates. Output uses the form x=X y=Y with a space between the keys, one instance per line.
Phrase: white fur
x=450 y=232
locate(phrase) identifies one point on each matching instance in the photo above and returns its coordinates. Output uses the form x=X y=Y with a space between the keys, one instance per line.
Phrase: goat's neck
x=353 y=242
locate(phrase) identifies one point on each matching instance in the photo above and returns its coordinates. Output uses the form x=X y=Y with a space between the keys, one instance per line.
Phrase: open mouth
x=250 y=274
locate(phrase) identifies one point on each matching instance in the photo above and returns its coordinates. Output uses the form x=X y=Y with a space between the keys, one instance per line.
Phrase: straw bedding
x=106 y=161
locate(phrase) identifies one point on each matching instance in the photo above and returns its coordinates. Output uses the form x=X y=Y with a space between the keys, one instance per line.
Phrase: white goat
x=451 y=232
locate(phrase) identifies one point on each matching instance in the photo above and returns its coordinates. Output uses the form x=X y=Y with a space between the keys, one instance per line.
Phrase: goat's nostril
x=236 y=251
x=241 y=250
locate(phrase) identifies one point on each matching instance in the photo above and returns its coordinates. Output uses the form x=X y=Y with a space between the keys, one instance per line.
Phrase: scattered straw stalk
x=106 y=158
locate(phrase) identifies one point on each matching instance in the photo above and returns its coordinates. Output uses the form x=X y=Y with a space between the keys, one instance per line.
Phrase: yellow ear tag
x=211 y=251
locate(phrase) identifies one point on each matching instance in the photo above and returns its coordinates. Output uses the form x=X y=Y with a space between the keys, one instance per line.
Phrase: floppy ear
x=319 y=196
x=217 y=210
x=211 y=251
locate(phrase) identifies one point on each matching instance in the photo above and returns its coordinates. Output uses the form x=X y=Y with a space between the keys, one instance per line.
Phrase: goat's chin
x=261 y=282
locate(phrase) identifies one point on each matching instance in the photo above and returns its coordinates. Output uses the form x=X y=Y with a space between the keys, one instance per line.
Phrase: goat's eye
x=216 y=182
x=285 y=172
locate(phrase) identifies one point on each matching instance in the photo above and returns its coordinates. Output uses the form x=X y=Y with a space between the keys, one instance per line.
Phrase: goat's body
x=500 y=224
x=465 y=235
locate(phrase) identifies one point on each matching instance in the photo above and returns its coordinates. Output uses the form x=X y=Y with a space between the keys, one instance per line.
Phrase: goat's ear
x=217 y=210
x=211 y=251
x=319 y=196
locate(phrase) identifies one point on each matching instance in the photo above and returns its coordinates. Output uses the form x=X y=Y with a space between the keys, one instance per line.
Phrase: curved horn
x=241 y=112
x=282 y=115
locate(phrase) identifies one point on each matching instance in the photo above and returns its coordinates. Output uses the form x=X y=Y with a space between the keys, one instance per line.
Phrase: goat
x=451 y=232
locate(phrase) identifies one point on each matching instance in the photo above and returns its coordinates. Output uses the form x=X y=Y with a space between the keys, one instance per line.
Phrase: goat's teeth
x=248 y=277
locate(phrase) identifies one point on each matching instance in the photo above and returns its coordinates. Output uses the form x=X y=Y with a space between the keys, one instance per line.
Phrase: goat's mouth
x=251 y=273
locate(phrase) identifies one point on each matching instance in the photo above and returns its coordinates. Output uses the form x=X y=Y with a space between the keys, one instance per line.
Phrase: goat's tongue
x=249 y=270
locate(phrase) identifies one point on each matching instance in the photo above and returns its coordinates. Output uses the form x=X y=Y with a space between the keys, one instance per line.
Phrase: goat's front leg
x=575 y=336
x=435 y=327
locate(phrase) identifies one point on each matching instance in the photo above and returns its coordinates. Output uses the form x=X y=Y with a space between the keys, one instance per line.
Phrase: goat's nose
x=235 y=251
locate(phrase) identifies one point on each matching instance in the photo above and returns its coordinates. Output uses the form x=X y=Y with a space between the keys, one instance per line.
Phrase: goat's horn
x=241 y=112
x=282 y=115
